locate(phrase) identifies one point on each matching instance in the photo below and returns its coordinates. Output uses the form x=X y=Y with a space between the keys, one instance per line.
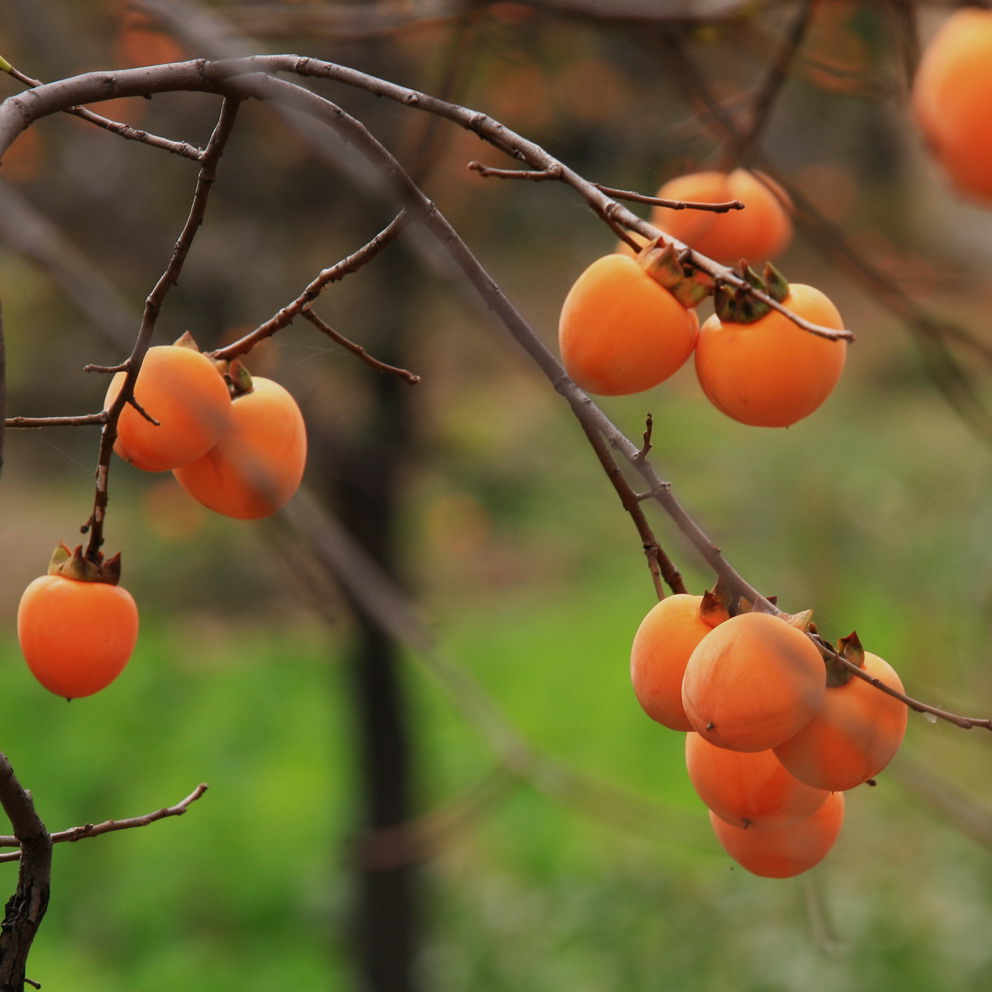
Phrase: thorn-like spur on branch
x=356 y=349
x=352 y=263
x=182 y=148
x=108 y=826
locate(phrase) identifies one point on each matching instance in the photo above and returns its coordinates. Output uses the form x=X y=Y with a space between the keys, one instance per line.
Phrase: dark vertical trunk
x=362 y=481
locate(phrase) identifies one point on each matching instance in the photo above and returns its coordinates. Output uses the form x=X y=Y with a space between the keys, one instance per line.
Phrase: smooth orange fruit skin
x=76 y=636
x=788 y=851
x=853 y=736
x=257 y=466
x=184 y=392
x=666 y=637
x=748 y=789
x=753 y=682
x=760 y=231
x=772 y=373
x=951 y=96
x=620 y=332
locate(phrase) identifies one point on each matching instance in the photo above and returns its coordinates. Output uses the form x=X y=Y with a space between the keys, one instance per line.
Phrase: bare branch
x=108 y=826
x=305 y=300
x=26 y=907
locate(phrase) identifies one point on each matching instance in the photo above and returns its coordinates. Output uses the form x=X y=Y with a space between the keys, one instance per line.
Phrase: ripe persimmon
x=760 y=231
x=952 y=91
x=789 y=850
x=182 y=390
x=662 y=644
x=77 y=628
x=753 y=682
x=621 y=331
x=748 y=789
x=257 y=465
x=853 y=735
x=771 y=372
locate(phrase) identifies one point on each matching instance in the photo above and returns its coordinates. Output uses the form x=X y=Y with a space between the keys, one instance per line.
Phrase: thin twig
x=108 y=826
x=181 y=148
x=33 y=423
x=356 y=349
x=302 y=303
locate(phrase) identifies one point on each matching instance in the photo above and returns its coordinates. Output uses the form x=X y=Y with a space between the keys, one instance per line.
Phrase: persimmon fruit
x=789 y=850
x=951 y=94
x=753 y=682
x=620 y=331
x=854 y=734
x=186 y=396
x=76 y=634
x=760 y=231
x=257 y=465
x=665 y=638
x=771 y=372
x=748 y=789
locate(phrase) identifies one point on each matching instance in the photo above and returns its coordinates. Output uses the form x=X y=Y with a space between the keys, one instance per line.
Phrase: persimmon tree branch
x=26 y=907
x=88 y=830
x=205 y=180
x=253 y=77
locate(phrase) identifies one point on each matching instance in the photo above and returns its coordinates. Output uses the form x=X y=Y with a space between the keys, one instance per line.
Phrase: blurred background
x=483 y=803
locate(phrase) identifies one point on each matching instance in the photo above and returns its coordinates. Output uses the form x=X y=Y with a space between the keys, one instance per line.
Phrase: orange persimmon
x=952 y=91
x=751 y=789
x=76 y=633
x=789 y=850
x=662 y=644
x=760 y=231
x=855 y=733
x=180 y=388
x=753 y=682
x=621 y=331
x=771 y=372
x=257 y=465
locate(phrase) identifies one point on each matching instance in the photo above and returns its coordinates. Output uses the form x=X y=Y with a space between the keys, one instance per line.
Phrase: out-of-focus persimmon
x=951 y=95
x=759 y=232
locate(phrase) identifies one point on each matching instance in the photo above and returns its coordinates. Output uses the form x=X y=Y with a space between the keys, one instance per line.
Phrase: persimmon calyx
x=75 y=565
x=238 y=378
x=662 y=262
x=186 y=340
x=737 y=305
x=715 y=606
x=850 y=650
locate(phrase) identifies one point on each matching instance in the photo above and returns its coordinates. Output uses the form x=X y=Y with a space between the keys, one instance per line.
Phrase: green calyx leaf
x=849 y=648
x=662 y=262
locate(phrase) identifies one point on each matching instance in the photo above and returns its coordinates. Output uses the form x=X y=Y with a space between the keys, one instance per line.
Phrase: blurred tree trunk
x=361 y=479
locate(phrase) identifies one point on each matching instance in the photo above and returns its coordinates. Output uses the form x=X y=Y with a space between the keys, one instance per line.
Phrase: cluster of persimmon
x=629 y=321
x=776 y=729
x=236 y=443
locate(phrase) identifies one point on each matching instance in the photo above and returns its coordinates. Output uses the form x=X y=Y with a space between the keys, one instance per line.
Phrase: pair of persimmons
x=242 y=457
x=775 y=734
x=628 y=323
